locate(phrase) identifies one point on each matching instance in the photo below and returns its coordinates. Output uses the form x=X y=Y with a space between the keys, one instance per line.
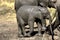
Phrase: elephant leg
x=39 y=29
x=43 y=24
x=20 y=33
x=21 y=27
x=31 y=25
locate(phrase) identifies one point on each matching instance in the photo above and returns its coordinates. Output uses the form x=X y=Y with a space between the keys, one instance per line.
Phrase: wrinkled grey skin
x=27 y=15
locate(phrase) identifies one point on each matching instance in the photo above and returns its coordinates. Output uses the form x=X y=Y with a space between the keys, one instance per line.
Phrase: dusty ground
x=9 y=29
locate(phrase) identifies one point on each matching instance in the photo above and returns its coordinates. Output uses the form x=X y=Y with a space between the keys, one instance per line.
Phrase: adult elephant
x=19 y=3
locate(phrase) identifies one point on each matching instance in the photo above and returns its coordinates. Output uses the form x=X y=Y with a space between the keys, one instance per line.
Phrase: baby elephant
x=27 y=15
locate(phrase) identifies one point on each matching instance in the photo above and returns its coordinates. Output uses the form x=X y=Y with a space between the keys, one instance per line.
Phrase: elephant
x=42 y=3
x=19 y=3
x=27 y=15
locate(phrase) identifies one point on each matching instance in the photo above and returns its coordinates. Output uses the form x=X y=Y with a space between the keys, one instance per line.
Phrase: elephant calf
x=27 y=15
